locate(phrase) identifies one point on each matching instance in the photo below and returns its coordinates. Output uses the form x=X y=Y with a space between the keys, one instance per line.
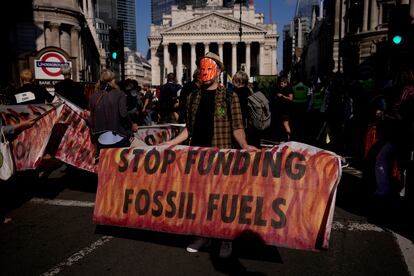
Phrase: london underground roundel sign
x=47 y=67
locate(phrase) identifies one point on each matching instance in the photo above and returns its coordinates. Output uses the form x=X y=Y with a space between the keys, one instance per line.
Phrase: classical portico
x=176 y=47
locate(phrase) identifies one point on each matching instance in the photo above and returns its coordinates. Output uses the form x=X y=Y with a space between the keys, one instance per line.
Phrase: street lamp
x=240 y=27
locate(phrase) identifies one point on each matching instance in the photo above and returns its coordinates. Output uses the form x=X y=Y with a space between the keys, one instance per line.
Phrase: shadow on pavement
x=246 y=246
x=25 y=185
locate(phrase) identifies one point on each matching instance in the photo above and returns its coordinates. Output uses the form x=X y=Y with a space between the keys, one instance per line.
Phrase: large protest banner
x=285 y=195
x=76 y=147
x=30 y=145
x=156 y=134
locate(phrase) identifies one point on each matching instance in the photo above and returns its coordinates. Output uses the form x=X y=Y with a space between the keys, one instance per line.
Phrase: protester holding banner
x=29 y=92
x=109 y=118
x=210 y=124
x=10 y=131
x=69 y=89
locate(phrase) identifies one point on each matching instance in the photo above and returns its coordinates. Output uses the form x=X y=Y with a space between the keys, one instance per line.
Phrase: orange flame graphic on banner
x=285 y=195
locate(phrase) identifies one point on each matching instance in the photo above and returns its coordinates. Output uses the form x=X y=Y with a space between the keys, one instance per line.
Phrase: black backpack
x=259 y=110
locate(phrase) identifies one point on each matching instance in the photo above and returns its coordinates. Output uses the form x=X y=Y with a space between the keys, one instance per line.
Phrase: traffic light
x=114 y=55
x=115 y=45
x=398 y=27
x=396 y=39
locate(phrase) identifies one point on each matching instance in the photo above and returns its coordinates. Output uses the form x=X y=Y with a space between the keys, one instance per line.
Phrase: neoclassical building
x=186 y=34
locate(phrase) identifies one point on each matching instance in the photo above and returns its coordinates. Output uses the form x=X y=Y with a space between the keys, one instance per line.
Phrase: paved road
x=51 y=233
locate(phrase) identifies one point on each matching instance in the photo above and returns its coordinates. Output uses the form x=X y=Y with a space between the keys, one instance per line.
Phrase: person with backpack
x=240 y=81
x=210 y=123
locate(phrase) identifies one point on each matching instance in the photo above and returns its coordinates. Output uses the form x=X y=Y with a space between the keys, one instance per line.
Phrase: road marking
x=406 y=246
x=62 y=202
x=353 y=171
x=77 y=256
x=356 y=226
x=407 y=249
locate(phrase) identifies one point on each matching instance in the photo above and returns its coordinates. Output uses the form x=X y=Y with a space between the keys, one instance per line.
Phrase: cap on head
x=214 y=57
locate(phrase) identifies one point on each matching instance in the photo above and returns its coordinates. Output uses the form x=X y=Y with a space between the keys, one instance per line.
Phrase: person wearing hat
x=210 y=124
x=69 y=89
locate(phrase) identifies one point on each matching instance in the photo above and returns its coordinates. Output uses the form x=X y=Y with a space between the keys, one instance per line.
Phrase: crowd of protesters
x=369 y=122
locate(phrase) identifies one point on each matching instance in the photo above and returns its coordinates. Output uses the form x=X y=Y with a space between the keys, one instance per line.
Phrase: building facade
x=66 y=25
x=137 y=67
x=361 y=34
x=296 y=34
x=126 y=14
x=186 y=34
x=160 y=7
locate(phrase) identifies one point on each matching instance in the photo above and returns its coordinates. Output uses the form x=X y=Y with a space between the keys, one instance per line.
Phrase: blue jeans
x=383 y=168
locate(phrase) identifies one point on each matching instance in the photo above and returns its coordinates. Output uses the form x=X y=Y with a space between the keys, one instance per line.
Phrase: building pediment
x=213 y=23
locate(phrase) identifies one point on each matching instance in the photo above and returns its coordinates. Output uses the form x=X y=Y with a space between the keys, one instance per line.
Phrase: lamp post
x=122 y=53
x=240 y=27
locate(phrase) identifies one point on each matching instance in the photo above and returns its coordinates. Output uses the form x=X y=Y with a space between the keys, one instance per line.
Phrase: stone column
x=90 y=9
x=53 y=39
x=374 y=15
x=74 y=49
x=166 y=61
x=206 y=47
x=274 y=60
x=365 y=16
x=248 y=58
x=41 y=39
x=179 y=62
x=412 y=9
x=380 y=7
x=261 y=59
x=300 y=34
x=155 y=66
x=74 y=41
x=84 y=4
x=220 y=46
x=233 y=58
x=193 y=57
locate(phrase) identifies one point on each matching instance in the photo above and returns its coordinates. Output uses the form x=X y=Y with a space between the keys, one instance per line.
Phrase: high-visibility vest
x=300 y=93
x=317 y=99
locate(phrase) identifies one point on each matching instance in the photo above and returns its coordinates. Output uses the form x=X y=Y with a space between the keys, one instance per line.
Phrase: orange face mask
x=208 y=69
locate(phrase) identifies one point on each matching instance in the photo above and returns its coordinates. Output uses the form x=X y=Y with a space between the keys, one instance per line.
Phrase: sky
x=282 y=13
